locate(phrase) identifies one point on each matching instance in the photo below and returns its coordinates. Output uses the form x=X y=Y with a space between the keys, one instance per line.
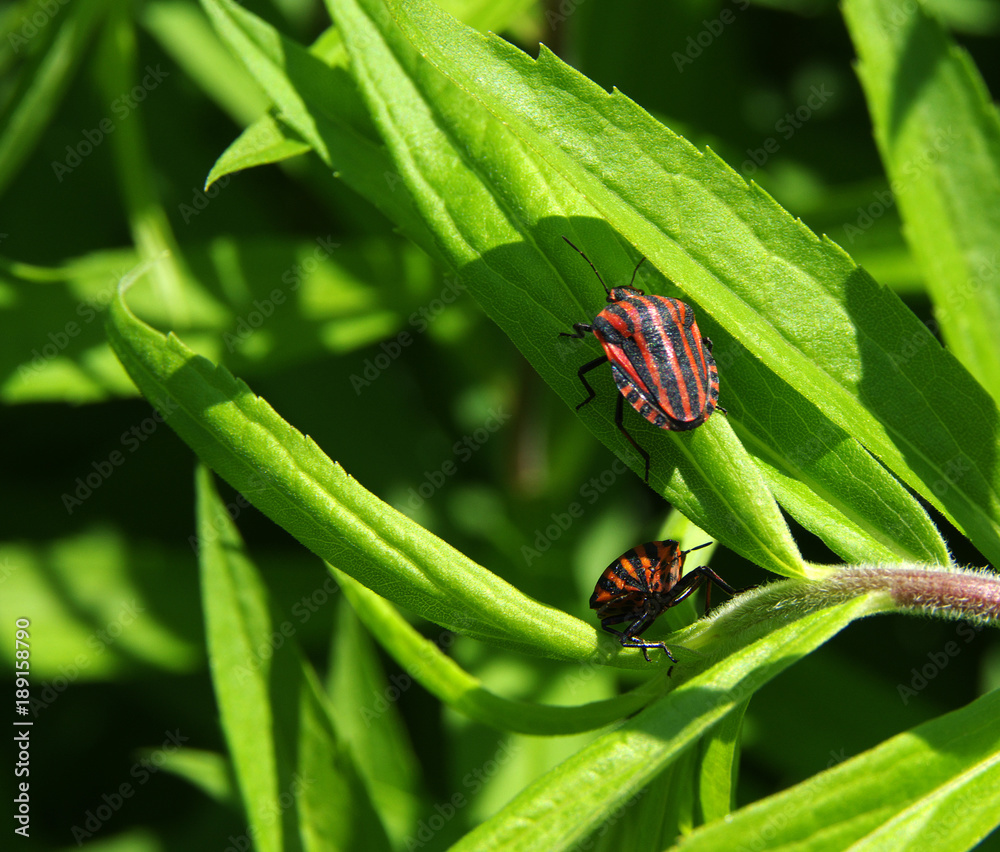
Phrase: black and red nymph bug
x=659 y=360
x=639 y=585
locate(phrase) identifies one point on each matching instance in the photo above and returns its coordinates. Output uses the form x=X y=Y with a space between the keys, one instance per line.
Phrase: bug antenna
x=642 y=260
x=598 y=274
x=699 y=547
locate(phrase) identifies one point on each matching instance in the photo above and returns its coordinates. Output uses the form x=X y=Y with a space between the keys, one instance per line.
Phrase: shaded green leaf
x=936 y=787
x=794 y=301
x=496 y=215
x=938 y=132
x=368 y=718
x=443 y=677
x=286 y=756
x=291 y=480
x=265 y=142
x=105 y=601
x=209 y=772
x=568 y=803
x=43 y=80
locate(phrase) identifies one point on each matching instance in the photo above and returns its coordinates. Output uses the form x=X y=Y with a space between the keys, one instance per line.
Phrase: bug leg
x=590 y=365
x=619 y=422
x=691 y=581
x=627 y=641
x=629 y=637
x=580 y=330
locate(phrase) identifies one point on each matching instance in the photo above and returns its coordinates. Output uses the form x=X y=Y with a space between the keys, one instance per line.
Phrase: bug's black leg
x=619 y=422
x=714 y=580
x=590 y=365
x=692 y=580
x=581 y=330
x=627 y=641
x=629 y=637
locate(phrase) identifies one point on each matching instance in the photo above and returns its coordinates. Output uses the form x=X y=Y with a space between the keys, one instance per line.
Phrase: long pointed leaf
x=934 y=787
x=292 y=481
x=564 y=806
x=299 y=786
x=794 y=301
x=920 y=89
x=496 y=215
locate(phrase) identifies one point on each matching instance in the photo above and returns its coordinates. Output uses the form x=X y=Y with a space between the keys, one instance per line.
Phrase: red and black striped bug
x=639 y=585
x=660 y=361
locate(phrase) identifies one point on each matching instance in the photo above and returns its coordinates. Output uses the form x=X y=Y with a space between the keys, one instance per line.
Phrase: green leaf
x=54 y=346
x=568 y=803
x=500 y=227
x=102 y=596
x=443 y=677
x=293 y=482
x=261 y=304
x=719 y=768
x=364 y=702
x=286 y=756
x=825 y=479
x=118 y=72
x=43 y=80
x=268 y=140
x=796 y=302
x=936 y=787
x=184 y=32
x=938 y=132
x=322 y=107
x=207 y=771
x=264 y=142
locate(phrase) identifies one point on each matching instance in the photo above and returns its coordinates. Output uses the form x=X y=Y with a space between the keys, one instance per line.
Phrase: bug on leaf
x=659 y=359
x=639 y=585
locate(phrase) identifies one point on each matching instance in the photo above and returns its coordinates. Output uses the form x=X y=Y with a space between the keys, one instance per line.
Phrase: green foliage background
x=198 y=677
